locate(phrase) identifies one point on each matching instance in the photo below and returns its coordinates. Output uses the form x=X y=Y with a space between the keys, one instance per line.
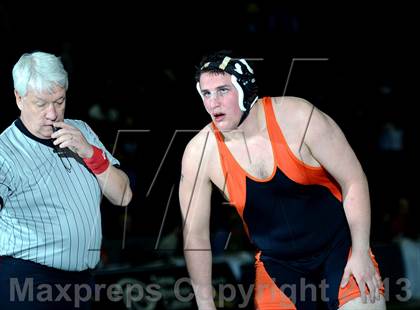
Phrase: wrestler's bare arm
x=330 y=148
x=195 y=195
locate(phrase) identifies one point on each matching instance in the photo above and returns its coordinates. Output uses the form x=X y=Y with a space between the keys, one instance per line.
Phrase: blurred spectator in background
x=391 y=138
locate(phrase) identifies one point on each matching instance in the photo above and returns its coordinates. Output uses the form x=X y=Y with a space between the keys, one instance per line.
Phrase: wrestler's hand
x=71 y=137
x=360 y=265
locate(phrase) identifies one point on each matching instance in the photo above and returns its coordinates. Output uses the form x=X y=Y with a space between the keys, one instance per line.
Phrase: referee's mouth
x=49 y=127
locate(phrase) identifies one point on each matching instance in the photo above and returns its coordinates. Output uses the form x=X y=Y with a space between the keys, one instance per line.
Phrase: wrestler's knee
x=357 y=304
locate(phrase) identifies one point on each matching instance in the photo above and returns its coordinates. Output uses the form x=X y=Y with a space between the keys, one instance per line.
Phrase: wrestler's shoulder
x=203 y=143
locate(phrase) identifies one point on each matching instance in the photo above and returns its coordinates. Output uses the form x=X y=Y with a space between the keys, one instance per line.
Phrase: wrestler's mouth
x=218 y=116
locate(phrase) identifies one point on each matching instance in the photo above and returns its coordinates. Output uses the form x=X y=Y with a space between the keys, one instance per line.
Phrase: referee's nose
x=51 y=112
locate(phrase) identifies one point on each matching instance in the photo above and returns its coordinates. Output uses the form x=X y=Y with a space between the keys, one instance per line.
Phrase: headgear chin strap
x=243 y=80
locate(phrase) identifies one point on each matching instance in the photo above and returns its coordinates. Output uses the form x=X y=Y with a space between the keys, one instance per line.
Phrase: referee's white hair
x=39 y=72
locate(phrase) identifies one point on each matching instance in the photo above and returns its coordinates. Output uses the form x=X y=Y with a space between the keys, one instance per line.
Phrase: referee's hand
x=71 y=137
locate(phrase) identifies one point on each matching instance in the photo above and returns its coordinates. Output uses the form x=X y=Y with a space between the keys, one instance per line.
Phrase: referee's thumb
x=346 y=277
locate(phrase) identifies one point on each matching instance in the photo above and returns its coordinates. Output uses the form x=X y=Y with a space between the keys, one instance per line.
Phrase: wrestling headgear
x=242 y=77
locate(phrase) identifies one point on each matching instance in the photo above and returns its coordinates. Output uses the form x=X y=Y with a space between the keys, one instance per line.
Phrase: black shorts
x=28 y=285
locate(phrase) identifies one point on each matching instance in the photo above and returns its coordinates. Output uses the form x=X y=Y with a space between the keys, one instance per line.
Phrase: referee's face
x=40 y=110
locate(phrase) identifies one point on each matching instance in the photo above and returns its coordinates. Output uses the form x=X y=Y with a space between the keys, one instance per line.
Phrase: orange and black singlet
x=296 y=220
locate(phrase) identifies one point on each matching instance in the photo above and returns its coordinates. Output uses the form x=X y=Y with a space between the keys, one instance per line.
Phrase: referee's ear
x=18 y=100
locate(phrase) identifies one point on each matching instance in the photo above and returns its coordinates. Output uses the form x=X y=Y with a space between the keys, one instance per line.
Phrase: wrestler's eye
x=223 y=91
x=206 y=94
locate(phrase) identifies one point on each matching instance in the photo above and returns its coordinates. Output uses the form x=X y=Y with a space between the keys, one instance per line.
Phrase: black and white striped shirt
x=49 y=201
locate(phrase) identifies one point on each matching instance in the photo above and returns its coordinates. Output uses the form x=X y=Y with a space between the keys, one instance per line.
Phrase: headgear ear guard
x=242 y=77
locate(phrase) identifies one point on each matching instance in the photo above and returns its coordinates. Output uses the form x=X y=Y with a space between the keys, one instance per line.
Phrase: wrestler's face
x=40 y=110
x=221 y=100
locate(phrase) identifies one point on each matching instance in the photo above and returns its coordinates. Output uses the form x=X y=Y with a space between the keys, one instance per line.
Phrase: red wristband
x=98 y=163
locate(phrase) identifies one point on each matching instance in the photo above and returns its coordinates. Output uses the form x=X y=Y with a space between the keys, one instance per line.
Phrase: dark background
x=131 y=66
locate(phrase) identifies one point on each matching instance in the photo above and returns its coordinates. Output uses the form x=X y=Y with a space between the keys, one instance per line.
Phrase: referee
x=53 y=172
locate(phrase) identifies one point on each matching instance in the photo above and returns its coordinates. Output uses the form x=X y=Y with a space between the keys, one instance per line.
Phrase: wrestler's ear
x=19 y=100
